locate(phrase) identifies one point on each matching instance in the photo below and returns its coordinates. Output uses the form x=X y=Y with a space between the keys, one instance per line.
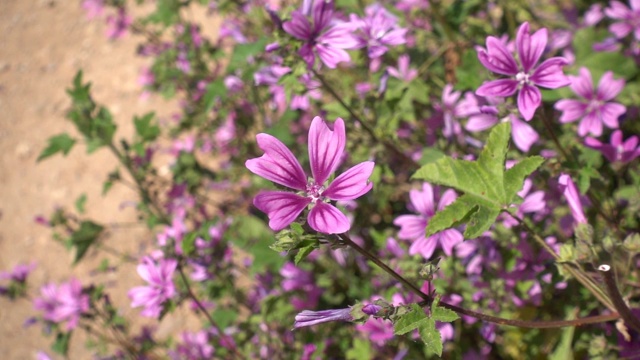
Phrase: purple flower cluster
x=63 y=304
x=159 y=276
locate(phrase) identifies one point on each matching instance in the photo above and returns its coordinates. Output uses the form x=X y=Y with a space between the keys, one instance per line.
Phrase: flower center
x=314 y=191
x=522 y=78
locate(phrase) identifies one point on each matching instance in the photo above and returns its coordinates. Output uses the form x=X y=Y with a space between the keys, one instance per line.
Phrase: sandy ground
x=42 y=45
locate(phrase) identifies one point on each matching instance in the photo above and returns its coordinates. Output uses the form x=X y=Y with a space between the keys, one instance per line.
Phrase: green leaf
x=59 y=143
x=360 y=350
x=189 y=243
x=145 y=128
x=304 y=252
x=81 y=202
x=215 y=90
x=564 y=350
x=167 y=12
x=61 y=345
x=431 y=337
x=411 y=320
x=84 y=237
x=252 y=235
x=438 y=313
x=242 y=52
x=487 y=187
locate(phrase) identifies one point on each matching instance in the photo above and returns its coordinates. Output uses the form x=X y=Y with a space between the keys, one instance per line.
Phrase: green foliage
x=252 y=235
x=61 y=344
x=488 y=188
x=167 y=12
x=81 y=201
x=83 y=238
x=145 y=128
x=62 y=143
x=426 y=325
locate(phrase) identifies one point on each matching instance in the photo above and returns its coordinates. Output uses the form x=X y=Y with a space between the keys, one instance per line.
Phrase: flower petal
x=480 y=122
x=610 y=113
x=529 y=98
x=423 y=201
x=497 y=58
x=591 y=123
x=446 y=199
x=549 y=74
x=327 y=219
x=322 y=14
x=298 y=26
x=325 y=148
x=411 y=226
x=351 y=184
x=523 y=134
x=277 y=164
x=449 y=239
x=424 y=246
x=582 y=84
x=281 y=207
x=502 y=88
x=608 y=88
x=530 y=47
x=572 y=110
x=331 y=55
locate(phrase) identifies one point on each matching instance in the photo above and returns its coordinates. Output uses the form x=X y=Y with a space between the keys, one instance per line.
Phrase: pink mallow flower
x=571 y=194
x=118 y=25
x=628 y=18
x=280 y=166
x=378 y=30
x=403 y=71
x=326 y=36
x=412 y=227
x=616 y=150
x=158 y=274
x=594 y=109
x=310 y=318
x=64 y=303
x=523 y=77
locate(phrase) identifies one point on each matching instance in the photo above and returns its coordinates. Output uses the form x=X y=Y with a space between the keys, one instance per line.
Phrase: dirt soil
x=42 y=45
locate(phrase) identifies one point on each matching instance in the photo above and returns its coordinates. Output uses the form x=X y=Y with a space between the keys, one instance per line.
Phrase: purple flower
x=278 y=164
x=403 y=72
x=572 y=196
x=194 y=346
x=371 y=309
x=309 y=318
x=117 y=25
x=525 y=77
x=93 y=8
x=532 y=203
x=628 y=18
x=158 y=274
x=64 y=303
x=616 y=150
x=326 y=36
x=379 y=30
x=595 y=109
x=19 y=273
x=412 y=227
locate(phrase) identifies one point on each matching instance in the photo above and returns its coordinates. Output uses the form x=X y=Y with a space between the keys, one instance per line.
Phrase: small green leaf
x=84 y=237
x=59 y=143
x=61 y=345
x=80 y=203
x=189 y=243
x=360 y=350
x=304 y=252
x=431 y=337
x=215 y=90
x=145 y=128
x=438 y=313
x=487 y=187
x=410 y=321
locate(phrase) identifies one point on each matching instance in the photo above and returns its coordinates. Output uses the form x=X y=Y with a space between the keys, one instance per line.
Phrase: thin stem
x=204 y=310
x=618 y=301
x=427 y=300
x=144 y=194
x=583 y=278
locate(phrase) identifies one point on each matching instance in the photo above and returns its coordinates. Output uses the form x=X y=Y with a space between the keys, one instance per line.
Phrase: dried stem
x=427 y=300
x=617 y=299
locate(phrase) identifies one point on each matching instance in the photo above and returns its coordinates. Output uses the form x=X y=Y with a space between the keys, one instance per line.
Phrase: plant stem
x=626 y=314
x=427 y=300
x=583 y=278
x=204 y=310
